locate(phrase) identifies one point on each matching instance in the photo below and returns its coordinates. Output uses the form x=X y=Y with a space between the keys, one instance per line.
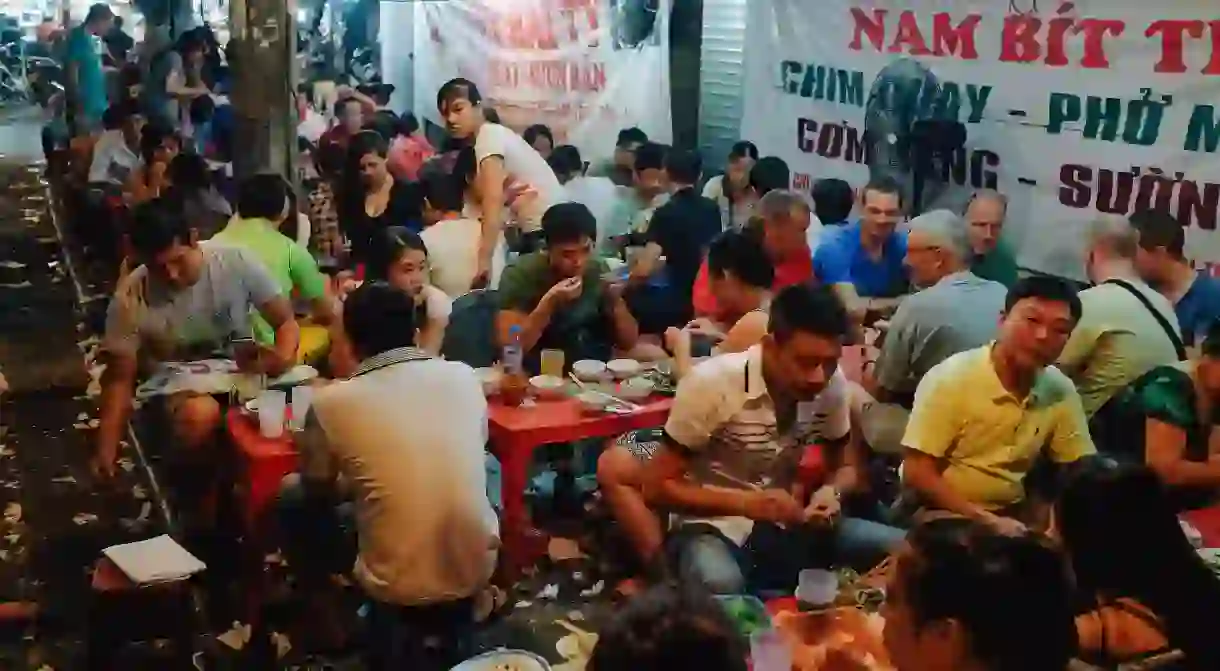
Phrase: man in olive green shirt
x=558 y=297
x=993 y=258
x=262 y=205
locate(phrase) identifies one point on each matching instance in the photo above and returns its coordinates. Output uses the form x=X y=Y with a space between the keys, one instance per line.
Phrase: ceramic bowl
x=548 y=386
x=624 y=368
x=635 y=389
x=592 y=402
x=589 y=370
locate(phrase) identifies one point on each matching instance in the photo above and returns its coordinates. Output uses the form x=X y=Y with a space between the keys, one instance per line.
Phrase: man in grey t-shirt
x=186 y=302
x=954 y=311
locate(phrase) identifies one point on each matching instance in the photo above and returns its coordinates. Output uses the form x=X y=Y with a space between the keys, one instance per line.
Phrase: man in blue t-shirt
x=86 y=81
x=864 y=260
x=1161 y=262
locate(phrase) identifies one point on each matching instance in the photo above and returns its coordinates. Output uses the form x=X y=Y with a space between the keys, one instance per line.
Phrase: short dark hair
x=565 y=160
x=388 y=247
x=408 y=124
x=742 y=255
x=1159 y=229
x=567 y=223
x=961 y=569
x=442 y=190
x=769 y=174
x=384 y=123
x=669 y=628
x=158 y=225
x=121 y=112
x=809 y=308
x=650 y=156
x=378 y=317
x=833 y=200
x=683 y=166
x=536 y=131
x=491 y=115
x=883 y=184
x=262 y=196
x=202 y=109
x=367 y=142
x=154 y=135
x=99 y=12
x=1046 y=288
x=190 y=171
x=630 y=136
x=742 y=150
x=458 y=88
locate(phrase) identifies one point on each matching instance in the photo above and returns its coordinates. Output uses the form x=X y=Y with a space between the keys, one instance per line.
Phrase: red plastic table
x=263 y=463
x=1207 y=521
x=517 y=431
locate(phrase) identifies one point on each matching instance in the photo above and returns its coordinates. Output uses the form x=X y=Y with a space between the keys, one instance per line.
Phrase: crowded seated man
x=117 y=152
x=863 y=260
x=649 y=190
x=185 y=302
x=621 y=169
x=1162 y=263
x=599 y=194
x=739 y=426
x=993 y=258
x=405 y=434
x=262 y=206
x=1126 y=328
x=452 y=239
x=781 y=223
x=675 y=244
x=983 y=418
x=953 y=311
x=961 y=596
x=559 y=299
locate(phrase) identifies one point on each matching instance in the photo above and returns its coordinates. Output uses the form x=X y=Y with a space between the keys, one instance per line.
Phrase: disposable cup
x=817 y=588
x=769 y=651
x=302 y=398
x=271 y=406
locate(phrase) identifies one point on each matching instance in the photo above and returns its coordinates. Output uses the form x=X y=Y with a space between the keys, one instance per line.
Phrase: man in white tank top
x=509 y=171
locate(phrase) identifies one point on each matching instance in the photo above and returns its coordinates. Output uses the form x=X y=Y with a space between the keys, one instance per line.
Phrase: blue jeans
x=772 y=557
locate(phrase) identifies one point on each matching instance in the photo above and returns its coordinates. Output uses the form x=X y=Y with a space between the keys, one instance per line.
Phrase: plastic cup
x=271 y=406
x=302 y=398
x=769 y=652
x=817 y=588
x=551 y=361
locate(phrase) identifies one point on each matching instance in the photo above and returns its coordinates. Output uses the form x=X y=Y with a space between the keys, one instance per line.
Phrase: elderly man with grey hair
x=1126 y=327
x=991 y=258
x=953 y=311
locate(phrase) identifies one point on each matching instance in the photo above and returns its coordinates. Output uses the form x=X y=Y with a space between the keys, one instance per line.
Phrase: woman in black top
x=371 y=199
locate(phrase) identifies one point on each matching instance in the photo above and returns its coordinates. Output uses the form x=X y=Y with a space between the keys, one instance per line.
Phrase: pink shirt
x=407 y=154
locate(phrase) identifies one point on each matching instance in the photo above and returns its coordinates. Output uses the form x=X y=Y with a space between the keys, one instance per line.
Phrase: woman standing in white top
x=507 y=169
x=731 y=191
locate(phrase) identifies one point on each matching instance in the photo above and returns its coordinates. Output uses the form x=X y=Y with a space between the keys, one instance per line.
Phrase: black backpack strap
x=1176 y=339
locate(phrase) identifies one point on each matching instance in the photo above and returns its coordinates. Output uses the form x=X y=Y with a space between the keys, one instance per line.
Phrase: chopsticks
x=626 y=404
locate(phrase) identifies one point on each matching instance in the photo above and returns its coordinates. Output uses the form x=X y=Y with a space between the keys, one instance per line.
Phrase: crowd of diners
x=1045 y=438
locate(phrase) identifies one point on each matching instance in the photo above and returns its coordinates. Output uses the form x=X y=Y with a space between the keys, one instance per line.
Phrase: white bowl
x=635 y=389
x=624 y=368
x=490 y=379
x=589 y=370
x=548 y=386
x=592 y=402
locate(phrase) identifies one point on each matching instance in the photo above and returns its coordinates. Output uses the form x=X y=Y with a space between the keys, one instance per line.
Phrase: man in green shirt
x=558 y=297
x=993 y=258
x=262 y=205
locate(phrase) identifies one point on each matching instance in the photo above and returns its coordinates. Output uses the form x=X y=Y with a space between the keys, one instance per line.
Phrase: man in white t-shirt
x=406 y=433
x=738 y=429
x=117 y=152
x=508 y=170
x=452 y=240
x=599 y=194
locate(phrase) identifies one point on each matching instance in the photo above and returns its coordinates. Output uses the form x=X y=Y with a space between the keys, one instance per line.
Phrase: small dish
x=592 y=402
x=624 y=368
x=635 y=389
x=548 y=387
x=490 y=379
x=589 y=370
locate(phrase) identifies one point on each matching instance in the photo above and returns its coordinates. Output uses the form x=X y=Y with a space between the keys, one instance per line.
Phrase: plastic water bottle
x=512 y=352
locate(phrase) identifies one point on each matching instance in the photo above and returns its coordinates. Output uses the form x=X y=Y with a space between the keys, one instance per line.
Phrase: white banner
x=1070 y=108
x=585 y=68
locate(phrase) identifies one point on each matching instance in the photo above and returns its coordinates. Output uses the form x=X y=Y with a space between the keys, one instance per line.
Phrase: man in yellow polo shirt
x=262 y=205
x=983 y=417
